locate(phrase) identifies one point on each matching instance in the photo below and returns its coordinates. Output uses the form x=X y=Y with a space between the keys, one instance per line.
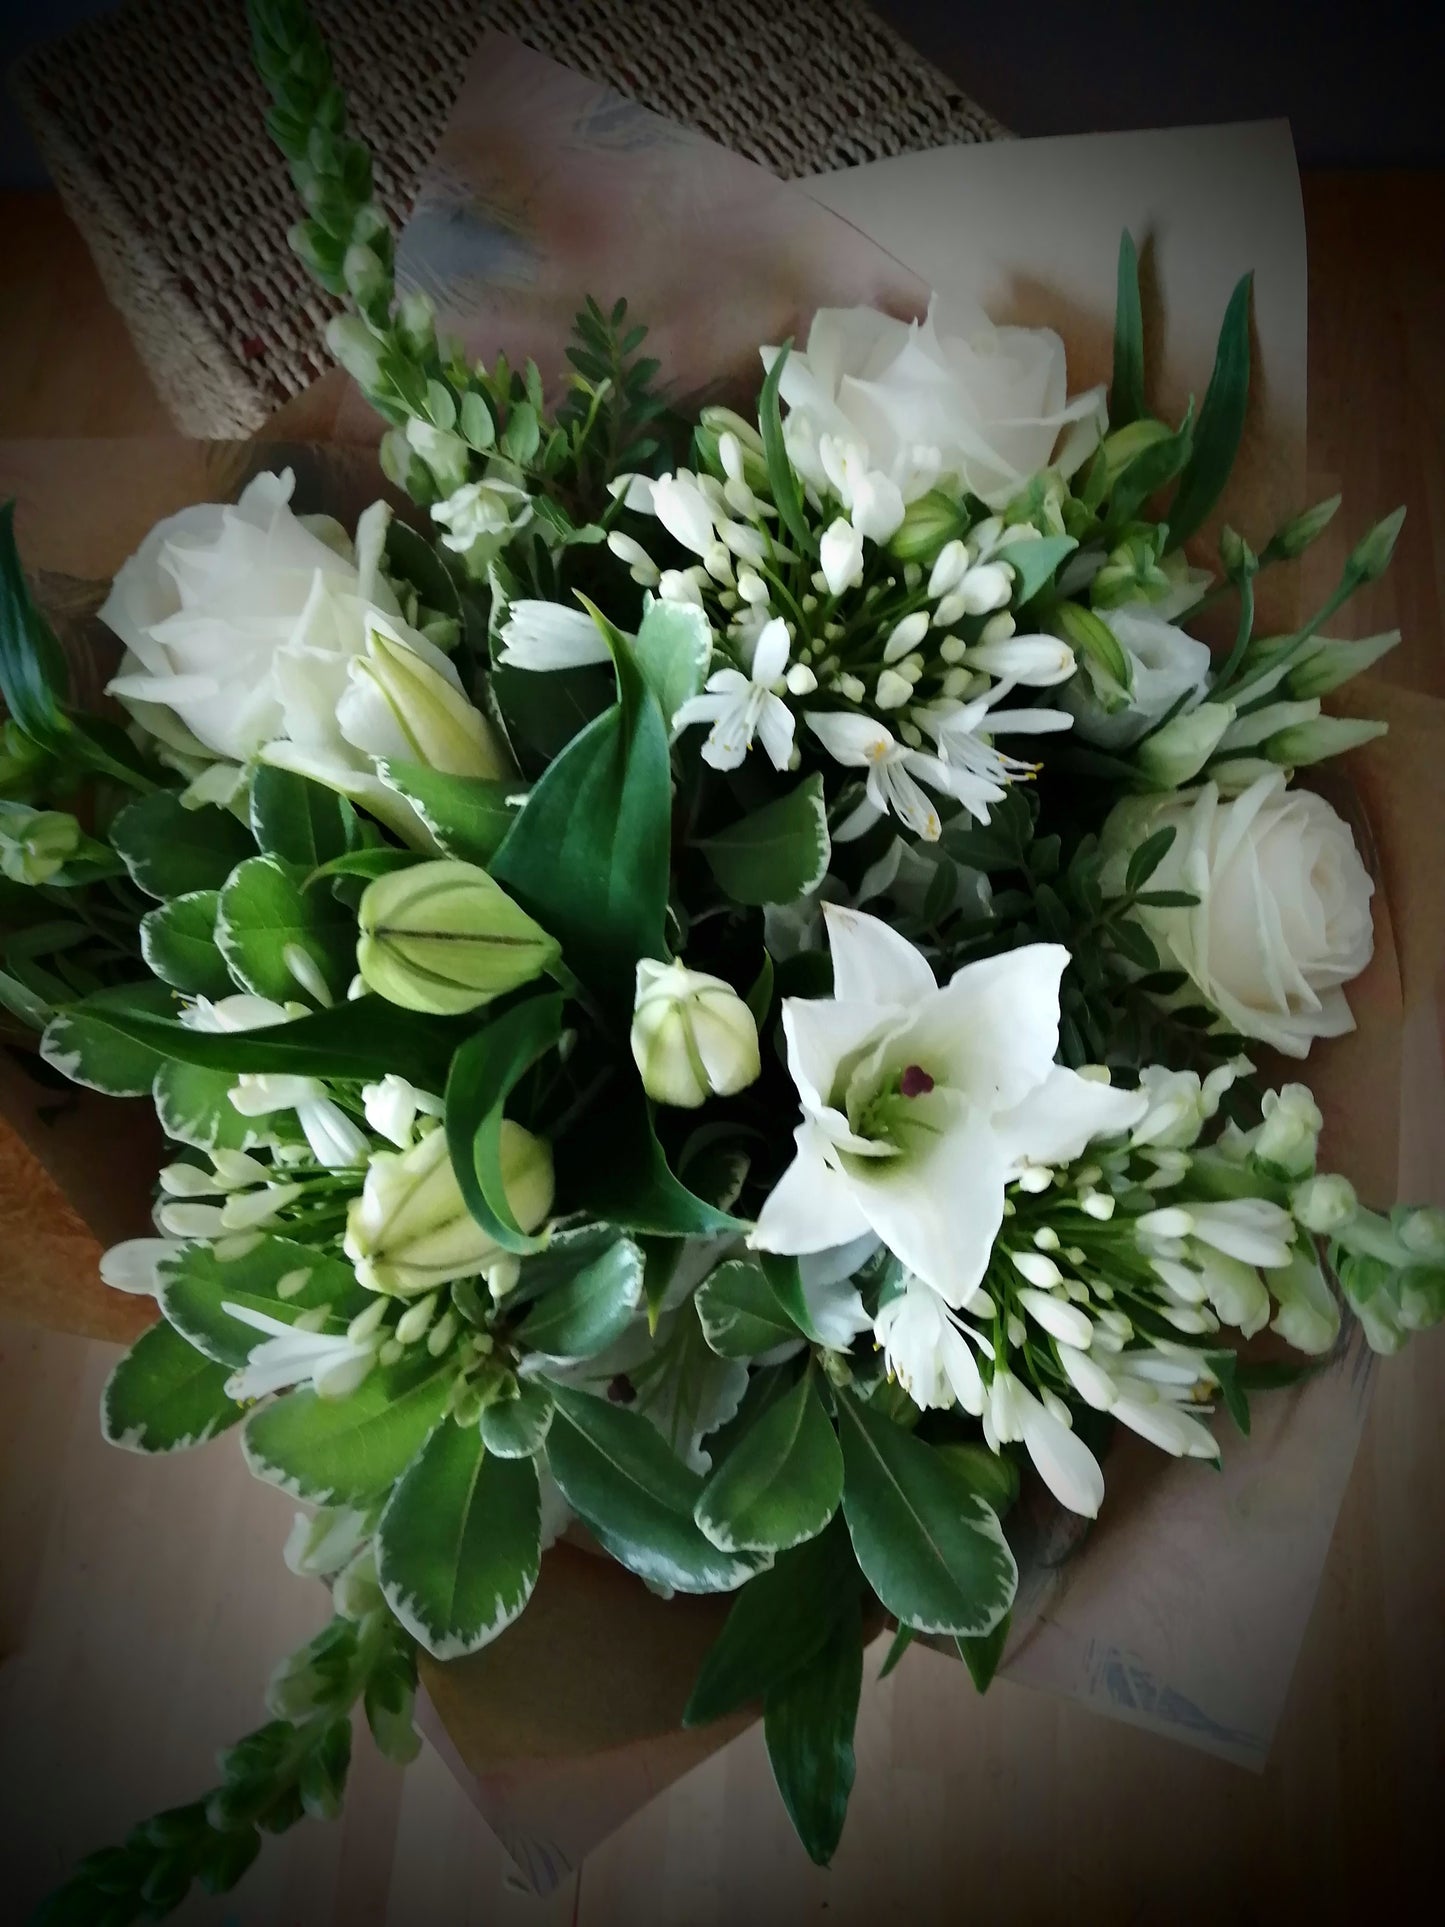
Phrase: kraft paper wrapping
x=1183 y=1610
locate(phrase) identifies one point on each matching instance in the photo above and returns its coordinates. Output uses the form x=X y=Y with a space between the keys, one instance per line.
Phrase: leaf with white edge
x=616 y=1473
x=164 y=1396
x=777 y=854
x=740 y=1313
x=515 y=1428
x=178 y=941
x=808 y=1723
x=278 y=1277
x=297 y=820
x=586 y=1312
x=459 y=1544
x=170 y=850
x=194 y=1107
x=781 y=1483
x=673 y=649
x=264 y=911
x=352 y=1450
x=1034 y=564
x=981 y=1656
x=468 y=815
x=929 y=1546
x=82 y=1046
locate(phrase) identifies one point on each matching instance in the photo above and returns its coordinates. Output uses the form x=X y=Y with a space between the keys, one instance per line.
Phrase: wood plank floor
x=136 y=1640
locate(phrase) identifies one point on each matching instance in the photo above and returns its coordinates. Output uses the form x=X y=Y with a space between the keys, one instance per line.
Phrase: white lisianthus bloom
x=549 y=635
x=692 y=1036
x=1181 y=1103
x=1165 y=667
x=951 y=395
x=920 y=1104
x=740 y=706
x=331 y=1362
x=1283 y=913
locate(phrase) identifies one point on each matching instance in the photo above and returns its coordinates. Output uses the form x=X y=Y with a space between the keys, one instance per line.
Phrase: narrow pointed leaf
x=808 y=1723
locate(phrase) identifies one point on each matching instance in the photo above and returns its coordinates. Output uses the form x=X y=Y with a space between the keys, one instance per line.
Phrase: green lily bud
x=1328 y=664
x=692 y=1035
x=438 y=725
x=1131 y=574
x=1103 y=661
x=444 y=938
x=1294 y=537
x=1326 y=736
x=1238 y=557
x=1289 y=1135
x=35 y=845
x=1175 y=754
x=1324 y=1205
x=410 y=1231
x=357 y=348
x=1371 y=556
x=935 y=518
x=444 y=453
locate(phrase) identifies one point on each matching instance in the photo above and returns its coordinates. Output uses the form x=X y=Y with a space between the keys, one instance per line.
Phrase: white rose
x=249 y=629
x=1283 y=917
x=950 y=395
x=1165 y=664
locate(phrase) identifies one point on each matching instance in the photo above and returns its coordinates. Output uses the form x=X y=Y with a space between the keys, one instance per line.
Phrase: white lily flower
x=393 y=1106
x=331 y=1361
x=549 y=635
x=740 y=706
x=335 y=1141
x=927 y=1350
x=920 y=1104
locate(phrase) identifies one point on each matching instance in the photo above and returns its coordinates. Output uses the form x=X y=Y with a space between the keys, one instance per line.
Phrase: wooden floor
x=138 y=1639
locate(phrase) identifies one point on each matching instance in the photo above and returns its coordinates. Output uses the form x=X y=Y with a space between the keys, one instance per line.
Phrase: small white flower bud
x=906 y=635
x=952 y=649
x=800 y=680
x=893 y=690
x=998 y=628
x=948 y=570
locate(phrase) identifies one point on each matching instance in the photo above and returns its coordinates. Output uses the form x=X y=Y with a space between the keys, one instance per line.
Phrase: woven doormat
x=150 y=121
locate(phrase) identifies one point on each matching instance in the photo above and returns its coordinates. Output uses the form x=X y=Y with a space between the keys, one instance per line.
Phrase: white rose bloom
x=951 y=395
x=1283 y=917
x=1165 y=664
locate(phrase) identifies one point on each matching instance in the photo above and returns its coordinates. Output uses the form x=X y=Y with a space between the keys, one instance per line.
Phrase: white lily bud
x=1324 y=1204
x=1234 y=1289
x=1289 y=1135
x=410 y=1230
x=998 y=628
x=1093 y=1384
x=393 y=1106
x=840 y=555
x=692 y=1035
x=752 y=588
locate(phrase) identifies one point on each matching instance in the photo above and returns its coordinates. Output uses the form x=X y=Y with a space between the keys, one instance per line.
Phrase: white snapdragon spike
x=927 y=1349
x=741 y=706
x=920 y=1103
x=331 y=1362
x=548 y=635
x=962 y=731
x=1181 y=1103
x=335 y=1140
x=393 y=1106
x=896 y=774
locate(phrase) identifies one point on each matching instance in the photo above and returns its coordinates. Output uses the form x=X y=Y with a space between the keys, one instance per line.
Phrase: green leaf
x=589 y=855
x=777 y=854
x=178 y=941
x=516 y=1428
x=1126 y=393
x=194 y=1107
x=586 y=1312
x=352 y=1450
x=784 y=1276
x=164 y=1396
x=808 y=1723
x=777 y=1623
x=781 y=1484
x=1221 y=422
x=196 y=1282
x=1034 y=564
x=673 y=648
x=617 y=1473
x=991 y=1475
x=1145 y=860
x=483 y=1074
x=739 y=1311
x=298 y=820
x=364 y=1038
x=1150 y=470
x=170 y=850
x=1225 y=1366
x=378 y=860
x=522 y=433
x=82 y=1043
x=624 y=1179
x=33 y=679
x=458 y=1547
x=264 y=911
x=467 y=815
x=929 y=1546
x=982 y=1655
x=786 y=489
x=902 y=1640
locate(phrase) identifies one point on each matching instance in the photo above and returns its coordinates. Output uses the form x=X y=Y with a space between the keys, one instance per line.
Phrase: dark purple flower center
x=915 y=1082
